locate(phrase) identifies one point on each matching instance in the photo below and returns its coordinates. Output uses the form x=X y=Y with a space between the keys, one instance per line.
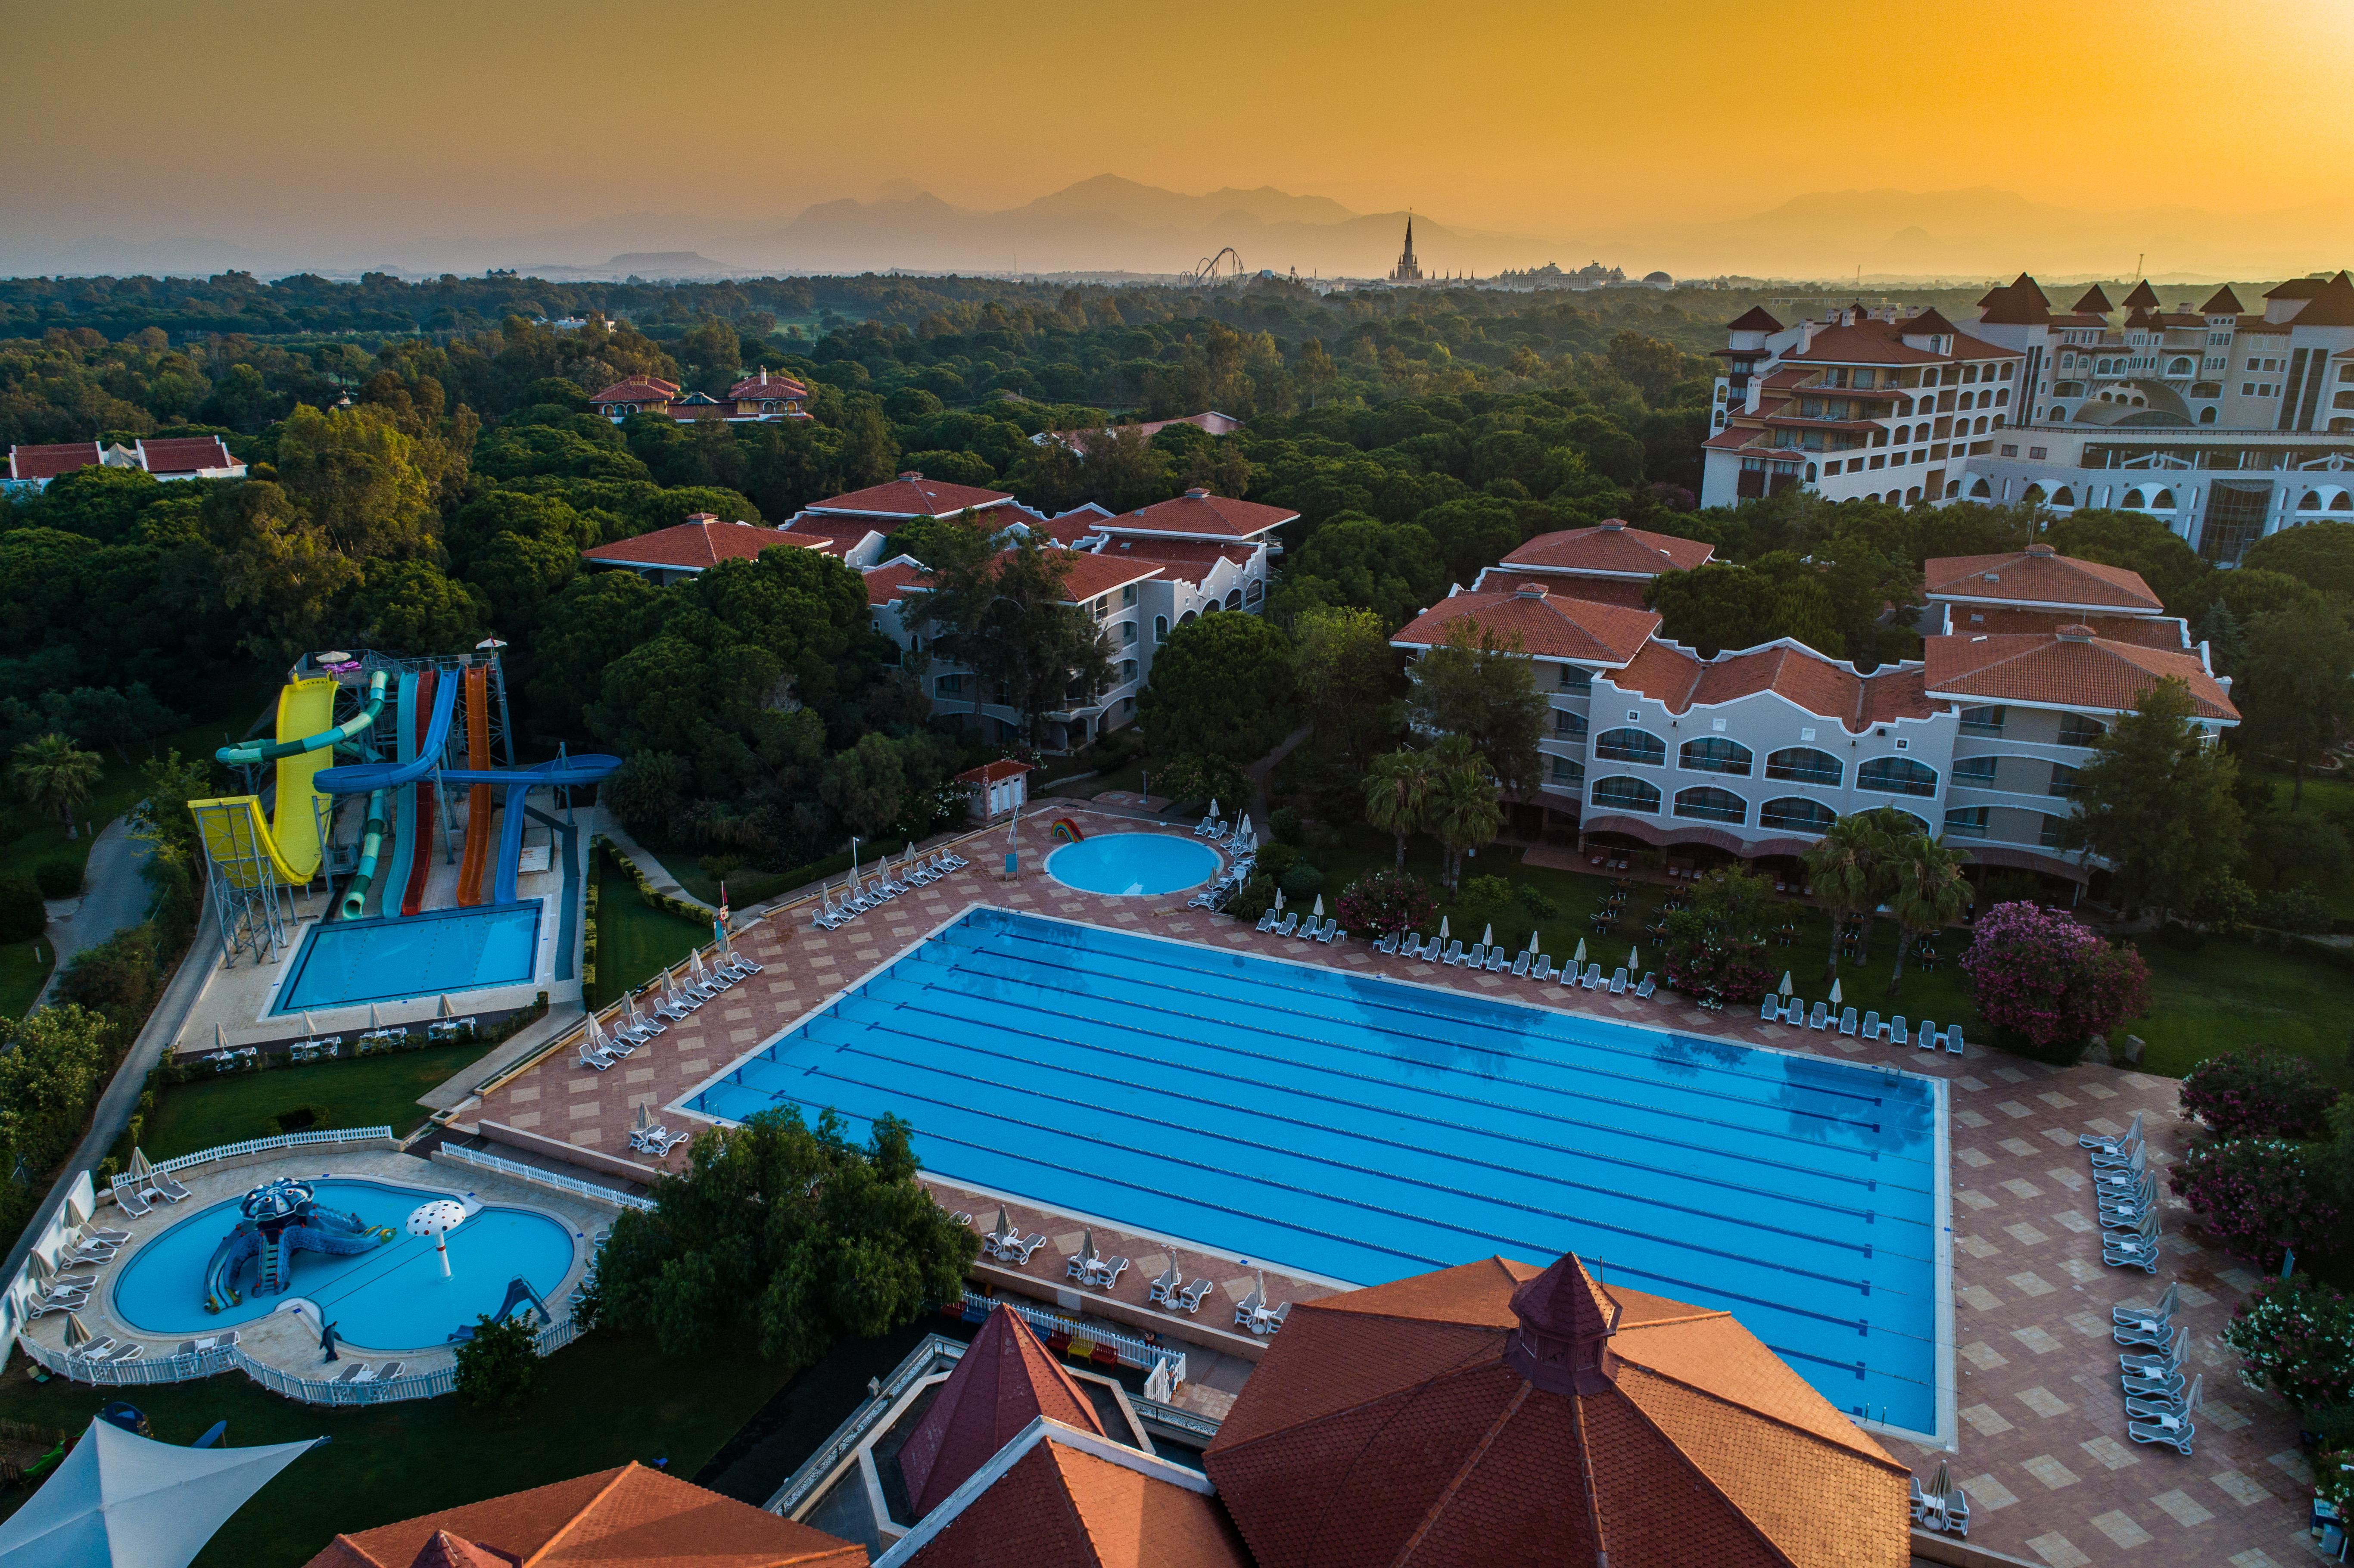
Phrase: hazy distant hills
x=1110 y=225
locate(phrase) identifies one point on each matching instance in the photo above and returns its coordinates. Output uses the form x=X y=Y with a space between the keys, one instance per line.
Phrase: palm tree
x=1464 y=811
x=1930 y=892
x=56 y=776
x=1397 y=795
x=1843 y=867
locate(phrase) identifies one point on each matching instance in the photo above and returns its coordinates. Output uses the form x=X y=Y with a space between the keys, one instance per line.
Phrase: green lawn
x=603 y=1401
x=356 y=1092
x=2229 y=995
x=1939 y=995
x=744 y=886
x=635 y=940
x=24 y=969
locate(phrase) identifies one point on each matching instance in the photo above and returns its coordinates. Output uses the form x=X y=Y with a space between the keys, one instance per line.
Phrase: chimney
x=1197 y=494
x=1561 y=1345
x=1612 y=524
x=2042 y=552
x=702 y=517
x=1529 y=590
x=2074 y=633
x=911 y=476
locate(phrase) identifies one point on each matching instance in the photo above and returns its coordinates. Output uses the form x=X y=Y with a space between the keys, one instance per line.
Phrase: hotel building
x=2226 y=424
x=2027 y=659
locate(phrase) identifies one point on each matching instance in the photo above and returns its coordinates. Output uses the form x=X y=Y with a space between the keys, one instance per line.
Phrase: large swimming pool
x=1366 y=1129
x=344 y=962
x=392 y=1297
x=1130 y=864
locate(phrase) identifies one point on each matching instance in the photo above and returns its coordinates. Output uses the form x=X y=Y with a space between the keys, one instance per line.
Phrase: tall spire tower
x=1408 y=270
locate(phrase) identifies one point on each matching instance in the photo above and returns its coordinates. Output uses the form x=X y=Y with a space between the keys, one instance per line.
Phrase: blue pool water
x=1117 y=863
x=1366 y=1129
x=343 y=962
x=392 y=1297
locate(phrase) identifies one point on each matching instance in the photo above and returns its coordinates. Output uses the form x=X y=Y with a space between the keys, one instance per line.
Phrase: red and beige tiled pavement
x=2042 y=1446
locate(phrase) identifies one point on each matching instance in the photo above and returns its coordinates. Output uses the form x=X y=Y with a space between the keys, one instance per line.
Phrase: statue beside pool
x=276 y=1221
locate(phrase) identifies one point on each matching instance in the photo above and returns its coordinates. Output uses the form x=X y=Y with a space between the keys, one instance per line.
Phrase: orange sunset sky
x=324 y=130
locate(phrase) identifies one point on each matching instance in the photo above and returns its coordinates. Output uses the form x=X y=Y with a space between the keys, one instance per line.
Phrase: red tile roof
x=2021 y=303
x=834 y=535
x=764 y=385
x=1548 y=625
x=888 y=583
x=1491 y=1414
x=1059 y=1507
x=637 y=390
x=2147 y=631
x=184 y=454
x=1087 y=574
x=993 y=772
x=1006 y=1379
x=2068 y=668
x=1756 y=318
x=627 y=1518
x=2143 y=298
x=1866 y=343
x=1627 y=592
x=49 y=461
x=2095 y=302
x=1190 y=559
x=699 y=543
x=1680 y=680
x=1199 y=514
x=1610 y=549
x=446 y=1550
x=2223 y=302
x=912 y=495
x=2037 y=575
x=2332 y=304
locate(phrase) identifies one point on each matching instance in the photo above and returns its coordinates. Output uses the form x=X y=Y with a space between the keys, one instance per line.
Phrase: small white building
x=997 y=788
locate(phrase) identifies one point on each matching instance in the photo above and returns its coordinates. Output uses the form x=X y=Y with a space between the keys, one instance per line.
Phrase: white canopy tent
x=120 y=1500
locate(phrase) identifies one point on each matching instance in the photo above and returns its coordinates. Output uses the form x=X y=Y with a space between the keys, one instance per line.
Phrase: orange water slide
x=478 y=797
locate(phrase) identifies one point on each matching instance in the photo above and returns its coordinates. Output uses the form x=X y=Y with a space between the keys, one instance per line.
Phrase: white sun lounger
x=1593 y=979
x=1847 y=1022
x=1898 y=1034
x=1619 y=981
x=2105 y=1145
x=1872 y=1028
x=1819 y=1016
x=592 y=1057
x=1769 y=1008
x=1650 y=983
x=1454 y=954
x=1190 y=1299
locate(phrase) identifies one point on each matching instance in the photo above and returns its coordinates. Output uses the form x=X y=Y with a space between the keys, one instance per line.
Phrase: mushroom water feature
x=438 y=1219
x=277 y=1220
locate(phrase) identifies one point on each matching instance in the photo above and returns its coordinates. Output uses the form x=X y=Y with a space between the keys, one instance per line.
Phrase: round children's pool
x=1117 y=864
x=390 y=1298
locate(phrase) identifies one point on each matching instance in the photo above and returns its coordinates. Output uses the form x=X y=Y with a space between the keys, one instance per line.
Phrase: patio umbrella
x=447 y=1011
x=374 y=1018
x=1005 y=1224
x=1487 y=936
x=1278 y=900
x=438 y=1219
x=76 y=1335
x=1088 y=1245
x=38 y=1267
x=1213 y=808
x=220 y=1037
x=139 y=1169
x=1634 y=961
x=1785 y=986
x=1941 y=1485
x=308 y=1027
x=1578 y=956
x=119 y=1498
x=1442 y=927
x=1835 y=993
x=1537 y=944
x=1319 y=910
x=645 y=1117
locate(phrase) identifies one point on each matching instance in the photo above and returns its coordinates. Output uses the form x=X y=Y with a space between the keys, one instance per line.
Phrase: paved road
x=114 y=897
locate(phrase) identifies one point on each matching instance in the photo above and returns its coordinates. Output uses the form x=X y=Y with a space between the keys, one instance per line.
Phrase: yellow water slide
x=240 y=842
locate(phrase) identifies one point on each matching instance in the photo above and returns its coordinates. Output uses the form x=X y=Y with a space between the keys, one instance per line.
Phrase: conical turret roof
x=1006 y=1379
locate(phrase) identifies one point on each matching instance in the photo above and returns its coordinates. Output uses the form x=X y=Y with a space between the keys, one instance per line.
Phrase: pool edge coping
x=293 y=964
x=1945 y=1393
x=1219 y=861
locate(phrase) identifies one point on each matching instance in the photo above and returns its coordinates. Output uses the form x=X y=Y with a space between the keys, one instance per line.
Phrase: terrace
x=2041 y=1434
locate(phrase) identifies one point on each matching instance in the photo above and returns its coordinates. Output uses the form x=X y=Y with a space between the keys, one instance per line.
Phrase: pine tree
x=2155 y=802
x=2226 y=641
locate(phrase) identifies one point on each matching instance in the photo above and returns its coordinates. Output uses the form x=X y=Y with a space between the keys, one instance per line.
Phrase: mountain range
x=1108 y=225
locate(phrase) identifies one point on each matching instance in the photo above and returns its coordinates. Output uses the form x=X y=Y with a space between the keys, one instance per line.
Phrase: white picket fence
x=326 y=1138
x=514 y=1170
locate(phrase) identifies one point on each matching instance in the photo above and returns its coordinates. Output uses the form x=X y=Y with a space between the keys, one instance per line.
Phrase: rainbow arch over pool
x=1062 y=830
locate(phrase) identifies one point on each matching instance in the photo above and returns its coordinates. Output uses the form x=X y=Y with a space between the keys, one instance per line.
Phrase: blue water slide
x=589 y=768
x=360 y=777
x=393 y=862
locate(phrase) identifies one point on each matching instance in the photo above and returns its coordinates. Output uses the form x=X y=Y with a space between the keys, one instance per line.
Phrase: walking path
x=115 y=897
x=603 y=821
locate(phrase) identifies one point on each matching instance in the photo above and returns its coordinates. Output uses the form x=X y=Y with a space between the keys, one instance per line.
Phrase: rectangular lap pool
x=1351 y=1125
x=342 y=963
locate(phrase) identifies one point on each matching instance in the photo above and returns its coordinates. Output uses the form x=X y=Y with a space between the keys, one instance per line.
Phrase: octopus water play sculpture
x=282 y=1218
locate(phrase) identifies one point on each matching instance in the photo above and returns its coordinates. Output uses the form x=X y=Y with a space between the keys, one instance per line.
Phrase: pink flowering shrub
x=2262 y=1090
x=1387 y=901
x=2297 y=1339
x=2252 y=1195
x=2043 y=979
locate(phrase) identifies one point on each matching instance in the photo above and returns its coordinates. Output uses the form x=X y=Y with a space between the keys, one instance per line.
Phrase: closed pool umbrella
x=1442 y=927
x=140 y=1169
x=1835 y=993
x=1213 y=808
x=1942 y=1484
x=1004 y=1222
x=1088 y=1244
x=308 y=1027
x=1487 y=936
x=1634 y=961
x=438 y=1219
x=1786 y=982
x=77 y=1334
x=1536 y=943
x=120 y=1500
x=374 y=1018
x=220 y=1037
x=38 y=1267
x=1319 y=910
x=645 y=1117
x=447 y=1011
x=1279 y=902
x=1578 y=957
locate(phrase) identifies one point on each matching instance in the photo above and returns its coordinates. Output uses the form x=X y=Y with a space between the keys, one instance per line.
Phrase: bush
x=1302 y=880
x=1276 y=859
x=2262 y=1091
x=498 y=1366
x=2253 y=1195
x=22 y=918
x=648 y=788
x=1386 y=901
x=1283 y=824
x=58 y=878
x=2297 y=1340
x=2047 y=983
x=2298 y=910
x=1488 y=893
x=302 y=1119
x=1253 y=898
x=1540 y=905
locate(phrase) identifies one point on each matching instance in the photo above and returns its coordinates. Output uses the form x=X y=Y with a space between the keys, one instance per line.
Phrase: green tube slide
x=254 y=751
x=371 y=845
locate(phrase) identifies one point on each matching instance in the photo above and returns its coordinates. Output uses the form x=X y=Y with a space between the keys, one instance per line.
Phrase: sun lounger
x=1267 y=921
x=1106 y=1272
x=2175 y=1432
x=2125 y=1154
x=1847 y=1022
x=1521 y=965
x=1290 y=925
x=2132 y=1249
x=1819 y=1016
x=128 y=1199
x=1387 y=944
x=2151 y=1325
x=2100 y=1144
x=1267 y=1322
x=1769 y=1008
x=2166 y=1360
x=1190 y=1299
x=1650 y=983
x=1409 y=946
x=1593 y=980
x=1794 y=1013
x=96 y=1351
x=1928 y=1036
x=1248 y=1309
x=1476 y=959
x=1021 y=1252
x=1454 y=954
x=1619 y=981
x=1872 y=1028
x=1163 y=1283
x=1332 y=934
x=63 y=1301
x=358 y=1372
x=1898 y=1034
x=1543 y=970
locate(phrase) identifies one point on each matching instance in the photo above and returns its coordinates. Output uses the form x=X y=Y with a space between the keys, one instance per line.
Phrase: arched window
x=2133 y=500
x=1566 y=773
x=1805 y=765
x=2080 y=729
x=2206 y=416
x=1912 y=496
x=2063 y=781
x=1968 y=822
x=1234 y=599
x=1981 y=425
x=1712 y=805
x=2063 y=496
x=1796 y=814
x=1187 y=619
x=2050 y=837
x=1903 y=434
x=1920 y=824
x=1981 y=489
x=2034 y=495
x=2178 y=367
x=2342 y=502
x=1810 y=472
x=1624 y=794
x=1160 y=630
x=1128 y=669
x=2309 y=502
x=1253 y=591
x=1576 y=680
x=1630 y=746
x=1714 y=754
x=1897 y=776
x=2162 y=501
x=1567 y=725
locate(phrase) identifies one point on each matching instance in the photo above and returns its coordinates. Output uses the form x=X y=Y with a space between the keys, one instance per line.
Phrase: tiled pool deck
x=2043 y=1443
